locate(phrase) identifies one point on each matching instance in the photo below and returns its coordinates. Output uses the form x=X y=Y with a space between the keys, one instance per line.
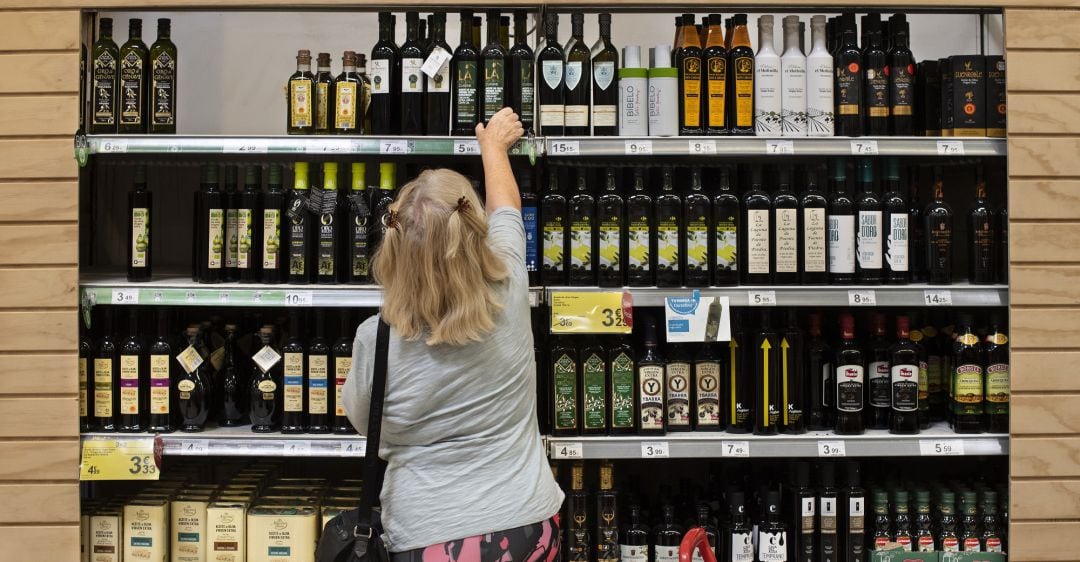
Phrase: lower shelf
x=242 y=442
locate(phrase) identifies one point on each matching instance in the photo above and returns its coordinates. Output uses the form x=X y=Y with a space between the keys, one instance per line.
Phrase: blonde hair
x=435 y=265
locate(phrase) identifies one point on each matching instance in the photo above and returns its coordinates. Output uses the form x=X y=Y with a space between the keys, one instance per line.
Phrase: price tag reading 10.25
x=118 y=459
x=584 y=312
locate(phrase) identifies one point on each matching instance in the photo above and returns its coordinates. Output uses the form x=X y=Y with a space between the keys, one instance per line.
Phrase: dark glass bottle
x=437 y=88
x=320 y=403
x=715 y=61
x=828 y=545
x=949 y=538
x=231 y=200
x=767 y=383
x=726 y=214
x=850 y=379
x=86 y=380
x=554 y=212
x=704 y=521
x=162 y=400
x=230 y=387
x=968 y=379
x=385 y=73
x=551 y=99
x=869 y=245
x=273 y=263
x=302 y=97
x=104 y=56
x=466 y=80
x=939 y=230
x=738 y=541
x=917 y=243
x=741 y=62
x=294 y=387
x=772 y=534
x=583 y=233
x=578 y=545
x=906 y=379
x=707 y=400
x=802 y=546
x=577 y=83
x=324 y=95
x=134 y=378
x=902 y=534
x=901 y=78
x=411 y=99
x=740 y=372
x=266 y=395
x=477 y=25
x=757 y=218
x=358 y=227
x=991 y=527
x=878 y=375
x=302 y=230
x=342 y=356
x=785 y=229
x=996 y=393
x=347 y=99
x=193 y=391
x=982 y=239
x=841 y=228
x=520 y=87
x=813 y=238
x=210 y=224
x=622 y=393
x=854 y=499
x=677 y=382
x=819 y=370
x=382 y=198
x=848 y=86
x=327 y=231
x=924 y=525
x=688 y=61
x=566 y=395
x=607 y=517
x=650 y=386
x=792 y=353
x=897 y=228
x=670 y=233
x=875 y=80
x=249 y=214
x=641 y=234
x=139 y=250
x=605 y=88
x=697 y=216
x=611 y=245
x=493 y=62
x=667 y=536
x=593 y=387
x=971 y=530
x=134 y=95
x=634 y=539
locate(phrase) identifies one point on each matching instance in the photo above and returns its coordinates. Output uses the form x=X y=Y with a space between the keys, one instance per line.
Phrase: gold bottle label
x=345 y=105
x=129 y=384
x=744 y=92
x=717 y=91
x=322 y=102
x=159 y=384
x=691 y=80
x=342 y=366
x=300 y=103
x=103 y=390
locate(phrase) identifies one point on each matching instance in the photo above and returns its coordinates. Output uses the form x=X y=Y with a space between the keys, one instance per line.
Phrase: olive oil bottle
x=346 y=106
x=164 y=68
x=105 y=58
x=688 y=61
x=520 y=88
x=938 y=220
x=786 y=229
x=850 y=381
x=466 y=76
x=611 y=247
x=594 y=396
x=982 y=235
x=86 y=380
x=358 y=227
x=301 y=227
x=583 y=238
x=757 y=219
x=385 y=73
x=715 y=73
x=622 y=393
x=813 y=241
x=319 y=400
x=326 y=251
x=697 y=216
x=577 y=83
x=605 y=89
x=793 y=375
x=678 y=388
x=741 y=63
x=265 y=399
x=740 y=372
x=551 y=99
x=641 y=234
x=996 y=393
x=230 y=388
x=493 y=63
x=650 y=386
x=134 y=378
x=193 y=384
x=210 y=228
x=249 y=215
x=162 y=399
x=411 y=100
x=841 y=217
x=134 y=97
x=968 y=379
x=725 y=244
x=384 y=197
x=554 y=213
x=341 y=353
x=670 y=233
x=273 y=264
x=324 y=91
x=294 y=387
x=566 y=396
x=231 y=201
x=849 y=81
x=530 y=217
x=437 y=88
x=140 y=262
x=767 y=381
x=301 y=97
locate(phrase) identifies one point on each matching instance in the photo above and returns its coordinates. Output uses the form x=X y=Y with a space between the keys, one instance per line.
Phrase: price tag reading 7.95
x=585 y=312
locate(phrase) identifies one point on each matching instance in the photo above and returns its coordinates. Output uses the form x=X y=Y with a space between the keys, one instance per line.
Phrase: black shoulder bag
x=356 y=535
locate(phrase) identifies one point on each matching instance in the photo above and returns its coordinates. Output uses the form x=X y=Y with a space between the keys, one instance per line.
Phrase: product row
x=785 y=377
x=132 y=88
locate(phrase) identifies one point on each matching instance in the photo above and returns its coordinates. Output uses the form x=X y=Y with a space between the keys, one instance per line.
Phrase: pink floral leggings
x=538 y=542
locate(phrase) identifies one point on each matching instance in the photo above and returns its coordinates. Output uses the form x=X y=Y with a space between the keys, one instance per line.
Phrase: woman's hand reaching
x=502 y=131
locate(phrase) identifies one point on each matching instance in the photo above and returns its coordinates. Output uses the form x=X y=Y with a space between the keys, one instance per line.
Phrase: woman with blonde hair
x=466 y=477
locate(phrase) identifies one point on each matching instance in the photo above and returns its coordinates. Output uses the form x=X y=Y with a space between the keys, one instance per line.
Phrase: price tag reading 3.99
x=654 y=450
x=831 y=449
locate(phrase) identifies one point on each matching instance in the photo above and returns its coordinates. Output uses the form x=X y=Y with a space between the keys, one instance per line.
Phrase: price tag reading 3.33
x=118 y=459
x=584 y=312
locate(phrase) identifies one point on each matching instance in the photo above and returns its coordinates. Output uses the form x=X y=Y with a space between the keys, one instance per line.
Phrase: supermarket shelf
x=757 y=146
x=825 y=295
x=288 y=144
x=241 y=442
x=938 y=440
x=180 y=291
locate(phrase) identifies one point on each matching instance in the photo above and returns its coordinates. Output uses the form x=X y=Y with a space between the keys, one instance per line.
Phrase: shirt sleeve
x=356 y=394
x=506 y=235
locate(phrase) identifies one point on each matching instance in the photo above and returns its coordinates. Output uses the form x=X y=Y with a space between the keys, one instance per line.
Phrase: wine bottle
x=576 y=83
x=583 y=233
x=803 y=502
x=793 y=106
x=521 y=89
x=879 y=376
x=813 y=237
x=738 y=537
x=820 y=111
x=265 y=391
x=358 y=227
x=554 y=213
x=301 y=101
x=383 y=198
x=578 y=545
x=901 y=78
x=875 y=66
x=134 y=97
x=466 y=76
x=982 y=241
x=854 y=499
x=549 y=87
x=996 y=394
x=641 y=234
x=670 y=233
x=772 y=535
x=667 y=536
x=134 y=378
x=786 y=229
x=792 y=353
x=634 y=539
x=249 y=226
x=230 y=387
x=725 y=210
x=714 y=58
x=841 y=218
x=917 y=239
x=688 y=61
x=273 y=265
x=848 y=86
x=437 y=87
x=697 y=218
x=819 y=370
x=493 y=62
x=192 y=386
x=87 y=416
x=612 y=234
x=605 y=88
x=385 y=72
x=607 y=517
x=650 y=386
x=757 y=221
x=768 y=83
x=162 y=400
x=319 y=400
x=622 y=394
x=677 y=389
x=938 y=220
x=869 y=239
x=231 y=201
x=342 y=355
x=905 y=380
x=767 y=378
x=347 y=107
x=411 y=100
x=324 y=95
x=139 y=254
x=210 y=227
x=326 y=236
x=566 y=401
x=294 y=387
x=741 y=61
x=850 y=379
x=704 y=522
x=164 y=67
x=301 y=227
x=897 y=227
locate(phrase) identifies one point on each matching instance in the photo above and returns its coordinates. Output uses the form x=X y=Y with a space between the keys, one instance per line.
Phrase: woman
x=466 y=476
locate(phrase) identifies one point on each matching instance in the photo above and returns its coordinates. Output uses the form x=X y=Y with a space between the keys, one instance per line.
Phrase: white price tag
x=562 y=450
x=194 y=446
x=466 y=147
x=735 y=449
x=113 y=146
x=701 y=147
x=298 y=298
x=940 y=447
x=950 y=148
x=565 y=148
x=654 y=450
x=329 y=147
x=125 y=296
x=159 y=296
x=298 y=448
x=864 y=147
x=779 y=147
x=351 y=448
x=638 y=147
x=266 y=358
x=244 y=146
x=937 y=298
x=189 y=297
x=391 y=146
x=831 y=449
x=435 y=61
x=762 y=298
x=190 y=359
x=862 y=298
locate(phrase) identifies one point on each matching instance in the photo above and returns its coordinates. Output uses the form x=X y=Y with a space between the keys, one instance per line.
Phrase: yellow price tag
x=590 y=312
x=118 y=459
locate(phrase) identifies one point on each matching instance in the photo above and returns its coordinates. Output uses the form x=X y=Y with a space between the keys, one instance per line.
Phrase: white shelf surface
x=822 y=295
x=242 y=442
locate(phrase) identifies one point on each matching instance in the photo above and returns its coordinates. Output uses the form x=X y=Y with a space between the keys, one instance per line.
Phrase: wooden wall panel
x=39 y=417
x=36 y=372
x=1049 y=541
x=39 y=331
x=1042 y=29
x=37 y=31
x=1042 y=327
x=1043 y=242
x=40 y=73
x=38 y=158
x=38 y=503
x=55 y=543
x=1056 y=499
x=45 y=287
x=41 y=460
x=1042 y=71
x=39 y=244
x=1043 y=199
x=1044 y=284
x=43 y=201
x=39 y=115
x=1050 y=156
x=1042 y=371
x=1040 y=457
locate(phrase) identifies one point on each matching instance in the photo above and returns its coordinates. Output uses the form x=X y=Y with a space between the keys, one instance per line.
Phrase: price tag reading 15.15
x=586 y=312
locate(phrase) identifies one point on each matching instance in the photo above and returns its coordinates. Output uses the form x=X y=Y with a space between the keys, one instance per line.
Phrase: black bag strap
x=374 y=467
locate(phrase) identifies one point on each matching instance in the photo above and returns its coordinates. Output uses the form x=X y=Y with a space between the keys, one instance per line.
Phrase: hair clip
x=392 y=220
x=463 y=204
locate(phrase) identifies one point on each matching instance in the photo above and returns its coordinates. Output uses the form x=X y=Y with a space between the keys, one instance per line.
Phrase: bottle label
x=633 y=553
x=232 y=238
x=271 y=238
x=267 y=389
x=651 y=382
x=997 y=388
x=828 y=514
x=297 y=243
x=772 y=547
x=604 y=116
x=105 y=89
x=494 y=86
x=879 y=384
x=869 y=240
x=968 y=389
x=163 y=84
x=529 y=216
x=727 y=243
x=604 y=74
x=905 y=388
x=716 y=84
x=132 y=89
x=214 y=238
x=379 y=72
x=552 y=115
x=185 y=387
x=243 y=244
x=939 y=237
x=622 y=392
x=742 y=547
x=360 y=265
x=950 y=544
x=573 y=74
x=841 y=244
x=565 y=386
x=807 y=515
x=317 y=384
x=593 y=378
x=667 y=244
x=849 y=89
x=707 y=389
x=924 y=385
x=610 y=243
x=440 y=82
x=787 y=241
x=926 y=544
x=744 y=92
x=465 y=92
x=767 y=102
x=877 y=92
x=411 y=82
x=819 y=102
x=342 y=366
x=346 y=103
x=83 y=387
x=638 y=242
x=140 y=236
x=294 y=382
x=691 y=86
x=322 y=106
x=577 y=115
x=856 y=514
x=581 y=243
x=972 y=544
x=814 y=252
x=666 y=553
x=905 y=542
x=758 y=248
x=993 y=544
x=554 y=245
x=697 y=244
x=901 y=89
x=301 y=106
x=160 y=382
x=326 y=264
x=793 y=102
x=528 y=93
x=103 y=388
x=129 y=384
x=552 y=71
x=678 y=394
x=896 y=249
x=849 y=388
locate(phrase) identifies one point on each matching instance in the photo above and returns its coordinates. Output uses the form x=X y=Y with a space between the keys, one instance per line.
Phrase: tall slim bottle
x=493 y=63
x=328 y=233
x=768 y=83
x=850 y=380
x=556 y=226
x=301 y=97
x=578 y=545
x=163 y=81
x=802 y=545
x=875 y=82
x=105 y=57
x=134 y=94
x=841 y=228
x=86 y=380
x=583 y=233
x=741 y=63
x=230 y=386
x=437 y=88
x=294 y=387
x=848 y=87
x=622 y=393
x=707 y=400
x=854 y=499
x=347 y=99
x=917 y=239
x=611 y=251
x=715 y=74
x=996 y=392
x=550 y=97
x=813 y=237
x=249 y=226
x=688 y=61
x=385 y=73
x=982 y=239
x=324 y=95
x=869 y=245
x=232 y=235
x=828 y=546
x=697 y=218
x=576 y=81
x=301 y=228
x=358 y=227
x=265 y=387
x=738 y=536
x=273 y=263
x=968 y=379
x=677 y=380
x=319 y=400
x=634 y=538
x=667 y=536
x=901 y=78
x=704 y=521
x=741 y=384
x=905 y=380
x=193 y=391
x=342 y=356
x=758 y=260
x=793 y=376
x=793 y=79
x=670 y=233
x=410 y=103
x=786 y=228
x=938 y=219
x=820 y=111
x=767 y=383
x=725 y=222
x=210 y=228
x=772 y=535
x=819 y=369
x=162 y=400
x=383 y=198
x=650 y=383
x=521 y=86
x=897 y=225
x=641 y=234
x=605 y=87
x=566 y=394
x=878 y=375
x=607 y=517
x=467 y=80
x=140 y=254
x=593 y=385
x=134 y=378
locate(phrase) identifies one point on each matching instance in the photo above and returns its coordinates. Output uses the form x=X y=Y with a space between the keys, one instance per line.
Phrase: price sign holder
x=862 y=298
x=654 y=450
x=591 y=312
x=735 y=449
x=938 y=298
x=567 y=450
x=832 y=449
x=118 y=459
x=638 y=147
x=565 y=148
x=941 y=447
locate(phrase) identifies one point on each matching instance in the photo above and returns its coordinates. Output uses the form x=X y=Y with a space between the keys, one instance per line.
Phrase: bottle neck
x=980 y=190
x=791 y=40
x=605 y=32
x=493 y=30
x=740 y=37
x=520 y=30
x=577 y=30
x=386 y=31
x=939 y=190
x=303 y=67
x=412 y=31
x=900 y=40
x=714 y=37
x=817 y=36
x=347 y=68
x=765 y=38
x=466 y=30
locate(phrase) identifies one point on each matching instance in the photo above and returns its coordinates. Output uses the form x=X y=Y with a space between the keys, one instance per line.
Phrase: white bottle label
x=412 y=79
x=905 y=388
x=604 y=74
x=814 y=240
x=667 y=554
x=793 y=104
x=787 y=241
x=633 y=107
x=633 y=553
x=772 y=547
x=379 y=72
x=896 y=250
x=841 y=244
x=767 y=106
x=573 y=74
x=742 y=547
x=758 y=236
x=869 y=243
x=879 y=384
x=819 y=95
x=849 y=388
x=553 y=73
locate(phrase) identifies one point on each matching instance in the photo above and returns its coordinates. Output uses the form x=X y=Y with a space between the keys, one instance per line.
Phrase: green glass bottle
x=301 y=229
x=163 y=81
x=301 y=97
x=493 y=62
x=105 y=56
x=324 y=88
x=326 y=248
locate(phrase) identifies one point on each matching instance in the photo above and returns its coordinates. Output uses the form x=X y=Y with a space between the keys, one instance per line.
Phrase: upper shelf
x=289 y=144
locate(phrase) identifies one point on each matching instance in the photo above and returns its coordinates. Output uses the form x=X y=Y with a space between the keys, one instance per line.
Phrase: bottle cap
x=847 y=326
x=604 y=18
x=866 y=170
x=387 y=175
x=251 y=174
x=791 y=22
x=632 y=56
x=140 y=174
x=230 y=175
x=324 y=59
x=105 y=25
x=903 y=325
x=765 y=21
x=210 y=173
x=839 y=169
x=275 y=174
x=359 y=171
x=661 y=56
x=577 y=18
x=349 y=58
x=330 y=176
x=164 y=25
x=738 y=19
x=817 y=20
x=688 y=19
x=303 y=56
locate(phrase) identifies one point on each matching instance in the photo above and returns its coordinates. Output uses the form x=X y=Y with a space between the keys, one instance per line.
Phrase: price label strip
x=941 y=447
x=864 y=148
x=298 y=298
x=701 y=147
x=735 y=449
x=779 y=147
x=586 y=312
x=654 y=450
x=862 y=298
x=125 y=296
x=762 y=298
x=113 y=146
x=351 y=448
x=392 y=146
x=194 y=447
x=466 y=147
x=831 y=449
x=573 y=450
x=638 y=147
x=950 y=148
x=118 y=459
x=296 y=448
x=244 y=146
x=937 y=298
x=565 y=148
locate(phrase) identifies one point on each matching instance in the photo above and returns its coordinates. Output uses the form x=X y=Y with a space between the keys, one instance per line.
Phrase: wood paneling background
x=39 y=244
x=1043 y=56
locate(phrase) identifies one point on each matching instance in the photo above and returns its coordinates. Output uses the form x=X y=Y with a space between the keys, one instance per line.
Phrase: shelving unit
x=826 y=295
x=286 y=144
x=758 y=146
x=241 y=442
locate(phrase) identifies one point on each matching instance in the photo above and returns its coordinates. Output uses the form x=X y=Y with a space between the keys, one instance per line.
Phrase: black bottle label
x=707 y=389
x=848 y=89
x=528 y=93
x=678 y=394
x=879 y=384
x=877 y=92
x=905 y=388
x=105 y=89
x=494 y=86
x=465 y=92
x=849 y=388
x=359 y=243
x=901 y=89
x=163 y=90
x=651 y=383
x=327 y=246
x=297 y=246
